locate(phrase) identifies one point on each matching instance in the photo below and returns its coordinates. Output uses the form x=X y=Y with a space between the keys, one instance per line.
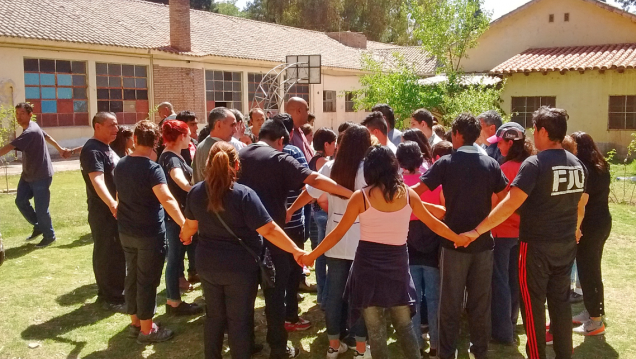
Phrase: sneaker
x=591 y=327
x=184 y=285
x=549 y=339
x=575 y=297
x=115 y=307
x=333 y=353
x=304 y=287
x=45 y=242
x=156 y=335
x=193 y=278
x=365 y=355
x=581 y=318
x=184 y=309
x=133 y=331
x=292 y=352
x=35 y=234
x=300 y=325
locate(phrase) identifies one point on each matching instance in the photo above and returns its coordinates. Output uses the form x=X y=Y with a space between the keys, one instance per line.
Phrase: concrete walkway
x=59 y=165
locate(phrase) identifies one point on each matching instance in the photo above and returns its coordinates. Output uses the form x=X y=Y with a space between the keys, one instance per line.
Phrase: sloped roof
x=576 y=58
x=140 y=24
x=424 y=63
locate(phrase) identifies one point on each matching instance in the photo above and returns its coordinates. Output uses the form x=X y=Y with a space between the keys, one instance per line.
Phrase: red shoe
x=549 y=339
x=302 y=324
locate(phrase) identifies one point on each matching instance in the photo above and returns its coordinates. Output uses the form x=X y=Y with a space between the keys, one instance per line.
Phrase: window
x=253 y=81
x=524 y=107
x=122 y=89
x=566 y=17
x=328 y=101
x=349 y=101
x=298 y=90
x=622 y=113
x=551 y=18
x=223 y=88
x=57 y=91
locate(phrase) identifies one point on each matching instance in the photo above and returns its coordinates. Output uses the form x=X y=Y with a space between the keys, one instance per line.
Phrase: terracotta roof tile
x=144 y=25
x=575 y=58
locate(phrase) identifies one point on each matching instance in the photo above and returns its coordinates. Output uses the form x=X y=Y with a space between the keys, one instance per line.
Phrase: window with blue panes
x=57 y=91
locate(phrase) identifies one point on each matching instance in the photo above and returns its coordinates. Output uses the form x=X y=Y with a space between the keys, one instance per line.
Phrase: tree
x=229 y=8
x=447 y=29
x=206 y=5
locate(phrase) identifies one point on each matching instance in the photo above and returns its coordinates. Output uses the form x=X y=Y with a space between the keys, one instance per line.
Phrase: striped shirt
x=298 y=218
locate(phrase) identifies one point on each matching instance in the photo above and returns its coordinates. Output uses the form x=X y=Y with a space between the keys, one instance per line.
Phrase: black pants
x=588 y=258
x=471 y=272
x=229 y=303
x=275 y=305
x=109 y=262
x=144 y=263
x=295 y=276
x=544 y=273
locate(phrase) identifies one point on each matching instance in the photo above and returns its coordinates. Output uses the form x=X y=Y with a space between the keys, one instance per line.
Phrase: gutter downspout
x=151 y=87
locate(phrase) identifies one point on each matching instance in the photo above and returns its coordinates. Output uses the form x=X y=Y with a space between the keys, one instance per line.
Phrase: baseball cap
x=508 y=131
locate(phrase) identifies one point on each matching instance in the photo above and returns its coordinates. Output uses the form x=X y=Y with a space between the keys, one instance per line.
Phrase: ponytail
x=220 y=174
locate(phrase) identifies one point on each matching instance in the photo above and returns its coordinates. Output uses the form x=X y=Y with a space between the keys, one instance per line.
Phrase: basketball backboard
x=303 y=69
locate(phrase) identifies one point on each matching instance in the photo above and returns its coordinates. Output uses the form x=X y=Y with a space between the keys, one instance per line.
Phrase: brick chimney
x=348 y=38
x=180 y=25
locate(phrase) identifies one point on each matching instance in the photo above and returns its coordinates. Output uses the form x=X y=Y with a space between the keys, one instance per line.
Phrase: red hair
x=172 y=129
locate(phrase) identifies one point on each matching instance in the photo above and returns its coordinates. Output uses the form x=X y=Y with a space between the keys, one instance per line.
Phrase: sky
x=500 y=7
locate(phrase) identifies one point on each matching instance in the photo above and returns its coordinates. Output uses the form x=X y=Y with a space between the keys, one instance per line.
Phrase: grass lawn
x=47 y=297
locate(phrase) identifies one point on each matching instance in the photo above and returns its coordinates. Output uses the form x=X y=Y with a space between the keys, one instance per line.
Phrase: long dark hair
x=382 y=170
x=355 y=142
x=220 y=174
x=417 y=136
x=588 y=152
x=119 y=144
x=520 y=150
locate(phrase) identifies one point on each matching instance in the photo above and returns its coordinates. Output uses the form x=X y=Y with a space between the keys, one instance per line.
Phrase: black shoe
x=157 y=335
x=115 y=307
x=184 y=309
x=35 y=234
x=575 y=297
x=257 y=348
x=133 y=331
x=45 y=242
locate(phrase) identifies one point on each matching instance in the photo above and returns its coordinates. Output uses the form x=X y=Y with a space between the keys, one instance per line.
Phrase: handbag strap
x=227 y=228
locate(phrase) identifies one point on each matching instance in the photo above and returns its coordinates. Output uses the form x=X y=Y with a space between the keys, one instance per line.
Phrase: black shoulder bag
x=264 y=261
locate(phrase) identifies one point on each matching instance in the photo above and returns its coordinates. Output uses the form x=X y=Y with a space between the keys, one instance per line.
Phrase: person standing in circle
x=143 y=194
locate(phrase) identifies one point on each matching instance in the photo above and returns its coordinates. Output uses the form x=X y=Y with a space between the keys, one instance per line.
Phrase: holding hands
x=466 y=238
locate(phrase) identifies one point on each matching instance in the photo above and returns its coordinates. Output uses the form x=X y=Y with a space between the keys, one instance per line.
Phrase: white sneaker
x=333 y=353
x=591 y=327
x=581 y=318
x=365 y=355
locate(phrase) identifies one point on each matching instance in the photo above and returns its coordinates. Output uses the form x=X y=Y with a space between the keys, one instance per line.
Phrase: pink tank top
x=390 y=228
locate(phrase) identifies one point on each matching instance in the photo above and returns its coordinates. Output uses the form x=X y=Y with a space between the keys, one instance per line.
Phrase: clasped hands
x=303 y=258
x=467 y=238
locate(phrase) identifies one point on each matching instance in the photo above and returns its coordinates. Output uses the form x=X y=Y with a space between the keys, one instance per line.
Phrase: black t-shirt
x=554 y=181
x=469 y=180
x=493 y=151
x=36 y=161
x=423 y=245
x=243 y=213
x=139 y=213
x=271 y=174
x=96 y=156
x=597 y=208
x=169 y=161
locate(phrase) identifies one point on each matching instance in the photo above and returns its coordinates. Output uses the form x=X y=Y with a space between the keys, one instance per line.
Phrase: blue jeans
x=320 y=217
x=176 y=253
x=40 y=218
x=336 y=309
x=505 y=289
x=426 y=280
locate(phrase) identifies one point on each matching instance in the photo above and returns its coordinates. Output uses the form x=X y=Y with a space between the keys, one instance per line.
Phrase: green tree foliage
x=206 y=5
x=379 y=20
x=229 y=8
x=447 y=29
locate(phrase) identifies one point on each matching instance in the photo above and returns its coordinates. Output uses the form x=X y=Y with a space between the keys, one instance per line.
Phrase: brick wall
x=184 y=88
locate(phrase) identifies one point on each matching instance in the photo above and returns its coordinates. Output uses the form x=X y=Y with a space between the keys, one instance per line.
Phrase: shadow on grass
x=53 y=329
x=17 y=252
x=595 y=347
x=78 y=295
x=84 y=240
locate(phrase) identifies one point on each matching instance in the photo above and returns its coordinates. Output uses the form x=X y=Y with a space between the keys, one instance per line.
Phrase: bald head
x=299 y=111
x=165 y=109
